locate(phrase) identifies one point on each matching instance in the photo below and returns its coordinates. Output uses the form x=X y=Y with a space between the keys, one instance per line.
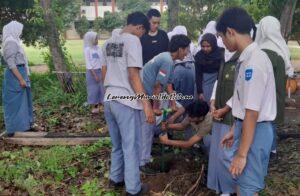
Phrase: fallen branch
x=195 y=186
x=168 y=185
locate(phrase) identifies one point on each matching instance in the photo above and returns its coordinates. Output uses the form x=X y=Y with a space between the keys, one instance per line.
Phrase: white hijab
x=177 y=31
x=89 y=39
x=268 y=36
x=12 y=33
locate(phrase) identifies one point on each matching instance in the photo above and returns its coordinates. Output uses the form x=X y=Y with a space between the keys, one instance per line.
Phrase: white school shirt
x=120 y=52
x=254 y=86
x=93 y=57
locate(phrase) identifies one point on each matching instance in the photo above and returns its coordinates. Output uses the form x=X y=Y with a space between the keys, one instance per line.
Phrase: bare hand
x=97 y=79
x=157 y=112
x=23 y=83
x=201 y=97
x=174 y=108
x=164 y=126
x=150 y=118
x=219 y=114
x=164 y=139
x=237 y=165
x=227 y=140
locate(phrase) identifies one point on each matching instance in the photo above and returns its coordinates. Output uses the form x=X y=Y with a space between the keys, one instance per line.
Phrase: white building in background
x=92 y=9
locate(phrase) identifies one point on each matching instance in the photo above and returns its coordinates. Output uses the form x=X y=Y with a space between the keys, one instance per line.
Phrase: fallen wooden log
x=35 y=141
x=57 y=135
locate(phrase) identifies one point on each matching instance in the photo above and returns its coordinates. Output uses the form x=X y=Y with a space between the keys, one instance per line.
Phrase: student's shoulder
x=131 y=38
x=260 y=59
x=162 y=32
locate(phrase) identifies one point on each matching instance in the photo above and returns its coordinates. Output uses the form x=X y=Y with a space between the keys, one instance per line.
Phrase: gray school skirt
x=95 y=90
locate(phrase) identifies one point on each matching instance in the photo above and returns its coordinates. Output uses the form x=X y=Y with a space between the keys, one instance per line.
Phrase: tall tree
x=173 y=13
x=286 y=18
x=53 y=39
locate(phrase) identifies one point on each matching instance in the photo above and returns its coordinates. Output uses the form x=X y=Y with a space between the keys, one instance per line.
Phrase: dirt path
x=39 y=68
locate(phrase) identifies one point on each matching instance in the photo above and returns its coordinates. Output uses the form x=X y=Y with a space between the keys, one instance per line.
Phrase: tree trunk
x=173 y=10
x=286 y=18
x=55 y=48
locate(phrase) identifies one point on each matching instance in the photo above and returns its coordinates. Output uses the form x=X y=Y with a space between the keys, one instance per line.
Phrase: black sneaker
x=116 y=185
x=144 y=191
x=273 y=158
x=148 y=170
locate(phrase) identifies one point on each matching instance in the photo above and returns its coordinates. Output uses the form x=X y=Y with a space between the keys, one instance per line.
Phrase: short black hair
x=153 y=12
x=236 y=18
x=197 y=109
x=179 y=41
x=138 y=18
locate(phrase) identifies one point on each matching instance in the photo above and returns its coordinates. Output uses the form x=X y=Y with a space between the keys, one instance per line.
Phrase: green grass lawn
x=75 y=48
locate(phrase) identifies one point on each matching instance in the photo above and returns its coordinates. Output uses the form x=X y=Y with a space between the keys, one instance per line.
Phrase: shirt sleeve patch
x=248 y=74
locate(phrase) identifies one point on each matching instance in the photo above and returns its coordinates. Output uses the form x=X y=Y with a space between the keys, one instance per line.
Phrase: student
x=16 y=91
x=270 y=40
x=93 y=57
x=253 y=103
x=157 y=78
x=156 y=41
x=211 y=28
x=198 y=118
x=219 y=177
x=207 y=64
x=122 y=57
x=184 y=71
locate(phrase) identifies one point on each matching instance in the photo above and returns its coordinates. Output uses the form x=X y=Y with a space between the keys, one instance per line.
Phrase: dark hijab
x=210 y=62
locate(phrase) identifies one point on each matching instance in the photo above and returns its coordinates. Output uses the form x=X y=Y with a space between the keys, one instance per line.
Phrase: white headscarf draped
x=268 y=36
x=116 y=32
x=178 y=30
x=12 y=33
x=89 y=39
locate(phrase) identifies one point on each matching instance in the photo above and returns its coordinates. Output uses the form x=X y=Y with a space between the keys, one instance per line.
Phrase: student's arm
x=170 y=90
x=19 y=77
x=249 y=124
x=9 y=54
x=199 y=79
x=103 y=63
x=177 y=126
x=179 y=143
x=176 y=115
x=103 y=72
x=136 y=83
x=156 y=91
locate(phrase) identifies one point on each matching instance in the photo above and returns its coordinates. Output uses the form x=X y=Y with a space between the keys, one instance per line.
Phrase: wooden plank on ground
x=30 y=134
x=50 y=141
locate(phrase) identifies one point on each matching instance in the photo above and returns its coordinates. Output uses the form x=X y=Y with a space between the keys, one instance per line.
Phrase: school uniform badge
x=248 y=74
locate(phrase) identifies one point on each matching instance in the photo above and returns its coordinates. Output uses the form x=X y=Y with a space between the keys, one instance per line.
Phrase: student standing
x=270 y=40
x=207 y=64
x=253 y=103
x=122 y=57
x=219 y=177
x=93 y=58
x=156 y=40
x=157 y=78
x=16 y=91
